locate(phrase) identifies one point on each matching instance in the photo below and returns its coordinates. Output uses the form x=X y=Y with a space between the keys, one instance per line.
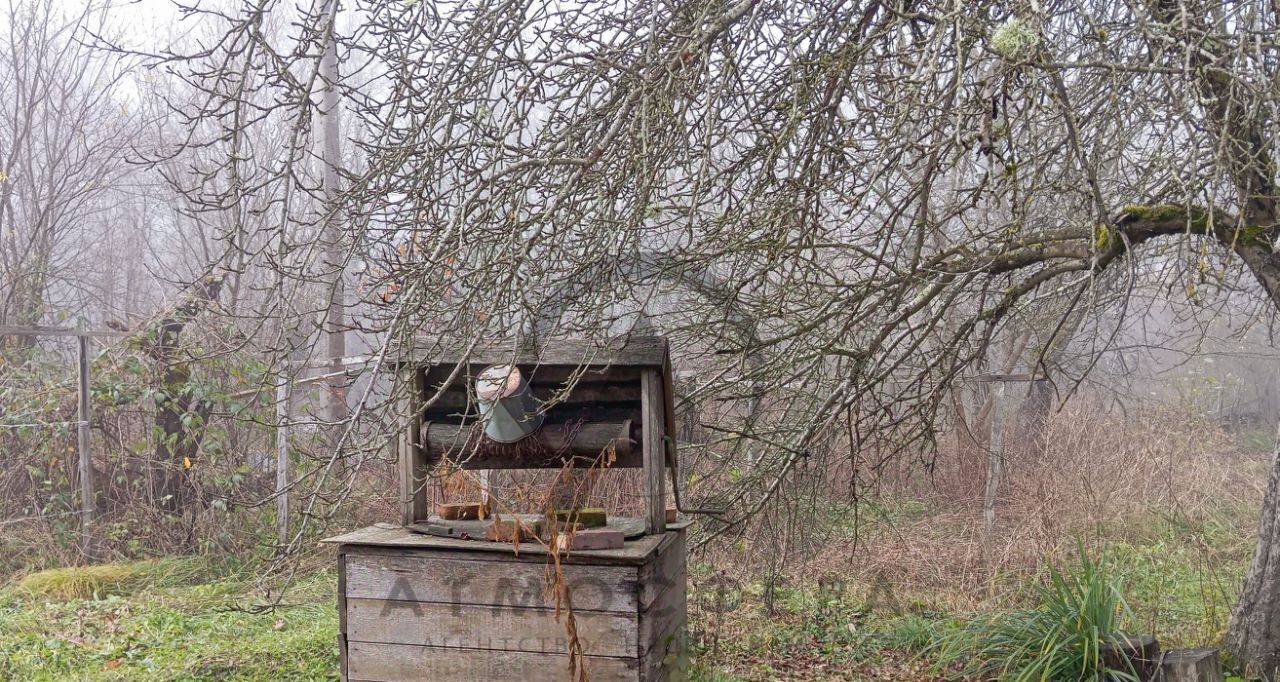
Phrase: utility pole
x=335 y=321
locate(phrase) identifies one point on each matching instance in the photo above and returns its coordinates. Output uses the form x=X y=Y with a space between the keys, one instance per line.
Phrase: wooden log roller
x=551 y=446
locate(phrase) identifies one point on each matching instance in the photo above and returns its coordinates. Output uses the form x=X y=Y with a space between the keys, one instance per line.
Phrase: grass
x=865 y=615
x=1063 y=636
x=84 y=582
x=188 y=632
x=178 y=619
x=1180 y=574
x=172 y=620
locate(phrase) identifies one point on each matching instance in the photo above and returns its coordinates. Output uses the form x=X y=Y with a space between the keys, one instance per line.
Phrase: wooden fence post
x=995 y=465
x=282 y=460
x=82 y=442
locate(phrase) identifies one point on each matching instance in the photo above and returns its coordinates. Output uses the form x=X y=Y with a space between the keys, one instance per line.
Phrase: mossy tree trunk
x=1253 y=637
x=180 y=415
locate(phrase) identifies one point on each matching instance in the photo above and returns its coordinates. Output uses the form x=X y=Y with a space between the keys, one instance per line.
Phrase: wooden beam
x=10 y=330
x=644 y=351
x=652 y=440
x=414 y=505
x=1001 y=378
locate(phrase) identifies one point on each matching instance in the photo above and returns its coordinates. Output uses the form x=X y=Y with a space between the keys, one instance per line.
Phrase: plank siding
x=488 y=627
x=423 y=577
x=409 y=663
x=441 y=613
x=663 y=635
x=399 y=540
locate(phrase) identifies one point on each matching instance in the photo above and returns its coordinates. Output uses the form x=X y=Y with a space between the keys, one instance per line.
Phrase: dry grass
x=101 y=580
x=1171 y=499
x=1101 y=480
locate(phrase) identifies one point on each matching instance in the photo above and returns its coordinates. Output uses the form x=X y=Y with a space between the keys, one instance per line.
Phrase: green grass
x=177 y=619
x=171 y=633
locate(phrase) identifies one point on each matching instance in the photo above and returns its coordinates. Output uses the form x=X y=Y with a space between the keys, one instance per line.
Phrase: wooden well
x=421 y=607
x=417 y=607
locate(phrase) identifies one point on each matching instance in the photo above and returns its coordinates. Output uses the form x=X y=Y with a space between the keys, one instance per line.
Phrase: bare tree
x=885 y=187
x=64 y=137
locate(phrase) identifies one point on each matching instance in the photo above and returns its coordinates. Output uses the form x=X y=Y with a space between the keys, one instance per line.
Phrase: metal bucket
x=507 y=406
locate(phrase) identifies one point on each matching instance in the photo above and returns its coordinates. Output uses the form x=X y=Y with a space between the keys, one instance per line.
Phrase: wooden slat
x=398 y=539
x=424 y=577
x=342 y=657
x=421 y=499
x=624 y=392
x=487 y=627
x=412 y=460
x=653 y=449
x=598 y=412
x=667 y=569
x=342 y=615
x=85 y=464
x=545 y=380
x=408 y=663
x=669 y=412
x=663 y=624
x=644 y=351
x=342 y=592
x=10 y=330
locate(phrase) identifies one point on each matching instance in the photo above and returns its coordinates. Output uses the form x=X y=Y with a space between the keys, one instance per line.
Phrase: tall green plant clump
x=1063 y=639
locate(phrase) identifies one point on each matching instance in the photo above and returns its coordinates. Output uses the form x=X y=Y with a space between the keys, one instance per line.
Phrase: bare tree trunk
x=1033 y=414
x=1253 y=636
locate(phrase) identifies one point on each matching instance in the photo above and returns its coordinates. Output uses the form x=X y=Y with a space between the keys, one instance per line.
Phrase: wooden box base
x=418 y=607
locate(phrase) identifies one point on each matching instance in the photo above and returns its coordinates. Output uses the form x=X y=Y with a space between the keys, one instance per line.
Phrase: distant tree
x=64 y=137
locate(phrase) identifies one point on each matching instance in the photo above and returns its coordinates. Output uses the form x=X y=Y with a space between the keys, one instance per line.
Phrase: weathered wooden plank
x=342 y=657
x=371 y=534
x=669 y=414
x=669 y=663
x=652 y=430
x=648 y=351
x=598 y=412
x=488 y=627
x=396 y=538
x=342 y=615
x=342 y=592
x=665 y=570
x=412 y=460
x=404 y=662
x=663 y=593
x=84 y=468
x=425 y=577
x=664 y=637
